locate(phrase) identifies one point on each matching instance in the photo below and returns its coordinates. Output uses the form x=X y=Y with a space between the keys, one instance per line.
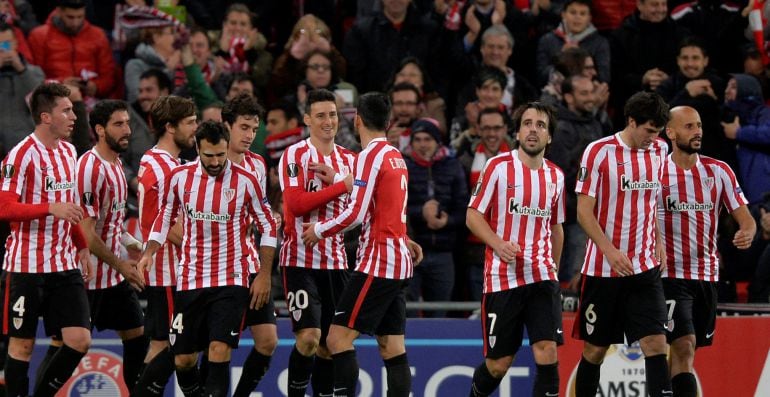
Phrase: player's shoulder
x=550 y=165
x=503 y=158
x=23 y=149
x=345 y=152
x=660 y=144
x=68 y=148
x=255 y=157
x=716 y=165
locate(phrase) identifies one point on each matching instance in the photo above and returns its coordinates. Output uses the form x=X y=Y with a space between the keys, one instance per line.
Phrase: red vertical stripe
x=359 y=301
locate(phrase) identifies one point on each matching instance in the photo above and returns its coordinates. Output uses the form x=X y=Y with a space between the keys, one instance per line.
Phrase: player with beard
x=695 y=187
x=517 y=209
x=102 y=191
x=218 y=203
x=174 y=122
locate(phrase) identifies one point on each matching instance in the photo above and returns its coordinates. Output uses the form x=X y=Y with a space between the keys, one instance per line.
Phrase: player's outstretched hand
x=619 y=262
x=415 y=251
x=308 y=234
x=260 y=291
x=506 y=250
x=128 y=269
x=69 y=212
x=86 y=266
x=323 y=172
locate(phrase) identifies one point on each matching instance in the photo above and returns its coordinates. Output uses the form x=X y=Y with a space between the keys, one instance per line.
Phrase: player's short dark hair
x=289 y=110
x=487 y=73
x=103 y=110
x=319 y=95
x=43 y=99
x=211 y=131
x=647 y=106
x=374 y=110
x=540 y=108
x=404 y=86
x=692 y=41
x=169 y=109
x=503 y=114
x=242 y=105
x=164 y=82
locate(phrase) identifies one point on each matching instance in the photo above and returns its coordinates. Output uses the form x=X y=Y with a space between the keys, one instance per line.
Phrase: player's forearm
x=96 y=244
x=266 y=256
x=746 y=222
x=301 y=203
x=557 y=242
x=11 y=210
x=480 y=228
x=590 y=225
x=151 y=248
x=175 y=234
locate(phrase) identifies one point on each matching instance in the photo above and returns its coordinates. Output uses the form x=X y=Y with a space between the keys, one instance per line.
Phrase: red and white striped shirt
x=154 y=168
x=40 y=175
x=329 y=253
x=102 y=191
x=216 y=215
x=378 y=200
x=520 y=204
x=625 y=183
x=255 y=164
x=688 y=215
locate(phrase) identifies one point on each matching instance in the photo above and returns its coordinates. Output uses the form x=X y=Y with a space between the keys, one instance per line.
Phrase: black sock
x=203 y=366
x=189 y=381
x=546 y=380
x=299 y=373
x=323 y=377
x=59 y=370
x=218 y=380
x=684 y=385
x=52 y=349
x=134 y=351
x=656 y=372
x=16 y=378
x=345 y=373
x=484 y=383
x=156 y=373
x=399 y=376
x=254 y=368
x=587 y=378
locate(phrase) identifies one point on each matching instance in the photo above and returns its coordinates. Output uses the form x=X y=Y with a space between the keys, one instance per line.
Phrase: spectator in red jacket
x=69 y=49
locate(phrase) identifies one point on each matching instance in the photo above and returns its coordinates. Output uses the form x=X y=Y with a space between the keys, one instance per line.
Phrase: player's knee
x=545 y=352
x=498 y=367
x=683 y=349
x=265 y=342
x=594 y=354
x=653 y=345
x=219 y=351
x=79 y=340
x=21 y=349
x=390 y=346
x=308 y=340
x=184 y=361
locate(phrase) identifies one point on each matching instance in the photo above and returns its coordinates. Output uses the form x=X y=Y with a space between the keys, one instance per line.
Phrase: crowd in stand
x=455 y=72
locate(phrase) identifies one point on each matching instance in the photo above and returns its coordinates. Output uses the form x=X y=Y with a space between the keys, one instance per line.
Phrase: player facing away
x=374 y=300
x=102 y=190
x=315 y=177
x=622 y=295
x=517 y=209
x=218 y=201
x=45 y=247
x=174 y=122
x=241 y=116
x=695 y=188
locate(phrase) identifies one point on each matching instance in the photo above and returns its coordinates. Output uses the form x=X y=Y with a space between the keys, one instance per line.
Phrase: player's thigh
x=542 y=312
x=679 y=308
x=23 y=305
x=705 y=314
x=600 y=319
x=645 y=313
x=188 y=331
x=65 y=302
x=159 y=312
x=115 y=308
x=365 y=302
x=302 y=298
x=502 y=323
x=225 y=314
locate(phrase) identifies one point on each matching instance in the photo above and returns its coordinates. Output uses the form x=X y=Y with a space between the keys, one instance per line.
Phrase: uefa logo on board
x=99 y=374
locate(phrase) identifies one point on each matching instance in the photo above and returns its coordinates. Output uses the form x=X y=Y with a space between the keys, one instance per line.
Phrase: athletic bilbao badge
x=296 y=314
x=492 y=340
x=100 y=373
x=17 y=321
x=228 y=194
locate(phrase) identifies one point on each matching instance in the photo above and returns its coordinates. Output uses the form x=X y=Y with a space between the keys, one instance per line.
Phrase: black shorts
x=373 y=305
x=59 y=297
x=263 y=315
x=692 y=309
x=115 y=308
x=611 y=307
x=160 y=310
x=207 y=314
x=312 y=295
x=504 y=315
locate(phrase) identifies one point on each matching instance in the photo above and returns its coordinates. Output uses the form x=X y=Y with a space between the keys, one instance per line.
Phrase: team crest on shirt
x=8 y=171
x=88 y=198
x=708 y=182
x=550 y=187
x=582 y=174
x=292 y=170
x=228 y=194
x=17 y=322
x=492 y=339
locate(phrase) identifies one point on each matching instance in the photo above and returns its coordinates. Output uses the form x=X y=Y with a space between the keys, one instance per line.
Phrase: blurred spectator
x=284 y=128
x=211 y=67
x=644 y=50
x=753 y=65
x=407 y=108
x=696 y=86
x=309 y=33
x=153 y=84
x=19 y=13
x=493 y=139
x=750 y=129
x=759 y=287
x=438 y=196
x=375 y=45
x=608 y=14
x=212 y=112
x=489 y=83
x=17 y=79
x=411 y=70
x=157 y=50
x=720 y=25
x=242 y=47
x=570 y=62
x=317 y=70
x=496 y=48
x=576 y=128
x=575 y=30
x=69 y=49
x=81 y=136
x=237 y=84
x=9 y=16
